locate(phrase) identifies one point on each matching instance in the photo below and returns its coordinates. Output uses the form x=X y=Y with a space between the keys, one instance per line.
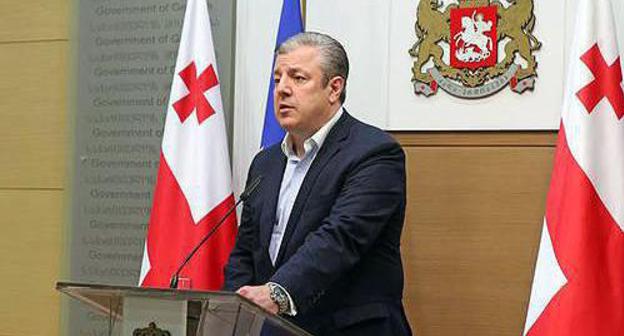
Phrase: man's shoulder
x=369 y=135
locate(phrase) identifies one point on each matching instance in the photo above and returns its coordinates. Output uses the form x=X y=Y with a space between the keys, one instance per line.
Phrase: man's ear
x=336 y=86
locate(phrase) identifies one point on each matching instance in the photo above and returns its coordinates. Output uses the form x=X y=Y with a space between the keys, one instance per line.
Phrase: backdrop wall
x=33 y=133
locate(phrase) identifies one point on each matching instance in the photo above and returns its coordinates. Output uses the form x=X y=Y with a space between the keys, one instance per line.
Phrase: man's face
x=302 y=103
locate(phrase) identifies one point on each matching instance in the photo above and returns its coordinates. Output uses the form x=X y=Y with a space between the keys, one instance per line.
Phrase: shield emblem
x=473 y=41
x=462 y=41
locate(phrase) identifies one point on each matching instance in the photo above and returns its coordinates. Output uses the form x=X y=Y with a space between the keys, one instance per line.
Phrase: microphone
x=243 y=197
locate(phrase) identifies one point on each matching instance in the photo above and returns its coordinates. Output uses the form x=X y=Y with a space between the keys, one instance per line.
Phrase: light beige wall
x=33 y=113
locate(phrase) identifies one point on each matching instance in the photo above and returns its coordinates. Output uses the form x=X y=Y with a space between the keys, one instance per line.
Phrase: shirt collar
x=315 y=141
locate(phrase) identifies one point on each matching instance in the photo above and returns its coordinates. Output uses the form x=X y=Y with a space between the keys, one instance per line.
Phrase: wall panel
x=33 y=90
x=475 y=207
x=34 y=20
x=33 y=104
x=30 y=257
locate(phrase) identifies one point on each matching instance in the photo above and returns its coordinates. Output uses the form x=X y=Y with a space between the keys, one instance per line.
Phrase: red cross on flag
x=578 y=285
x=193 y=190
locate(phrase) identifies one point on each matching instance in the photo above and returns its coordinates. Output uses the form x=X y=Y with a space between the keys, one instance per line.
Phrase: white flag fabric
x=578 y=286
x=256 y=28
x=193 y=190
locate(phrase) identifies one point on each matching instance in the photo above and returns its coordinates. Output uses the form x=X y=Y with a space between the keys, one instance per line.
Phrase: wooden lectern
x=137 y=311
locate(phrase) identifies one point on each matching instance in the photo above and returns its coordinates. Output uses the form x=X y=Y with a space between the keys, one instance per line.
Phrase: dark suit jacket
x=339 y=259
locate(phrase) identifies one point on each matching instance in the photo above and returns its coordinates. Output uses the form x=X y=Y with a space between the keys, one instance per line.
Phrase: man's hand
x=260 y=296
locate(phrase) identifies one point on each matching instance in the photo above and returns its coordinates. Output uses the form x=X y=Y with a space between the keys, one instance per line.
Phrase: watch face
x=278 y=296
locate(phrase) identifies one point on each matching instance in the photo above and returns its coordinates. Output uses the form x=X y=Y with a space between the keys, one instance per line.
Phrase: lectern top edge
x=108 y=299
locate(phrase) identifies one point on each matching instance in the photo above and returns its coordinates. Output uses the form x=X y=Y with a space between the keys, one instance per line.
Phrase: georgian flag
x=578 y=286
x=193 y=190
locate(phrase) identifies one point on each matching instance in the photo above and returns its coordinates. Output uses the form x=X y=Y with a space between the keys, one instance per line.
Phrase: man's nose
x=282 y=87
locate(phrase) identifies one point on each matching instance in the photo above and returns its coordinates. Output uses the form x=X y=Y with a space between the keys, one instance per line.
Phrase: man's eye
x=300 y=79
x=276 y=80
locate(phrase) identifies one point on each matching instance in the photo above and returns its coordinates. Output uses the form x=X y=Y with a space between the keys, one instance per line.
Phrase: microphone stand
x=244 y=196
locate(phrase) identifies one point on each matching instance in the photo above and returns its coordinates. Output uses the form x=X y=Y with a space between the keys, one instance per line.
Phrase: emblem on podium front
x=475 y=48
x=151 y=330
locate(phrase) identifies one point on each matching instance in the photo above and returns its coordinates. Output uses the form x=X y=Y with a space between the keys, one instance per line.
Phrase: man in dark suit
x=319 y=240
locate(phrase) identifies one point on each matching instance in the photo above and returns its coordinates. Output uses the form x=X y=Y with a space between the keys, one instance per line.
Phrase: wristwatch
x=278 y=295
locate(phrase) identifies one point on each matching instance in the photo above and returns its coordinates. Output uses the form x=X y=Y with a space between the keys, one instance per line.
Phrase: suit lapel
x=330 y=147
x=273 y=177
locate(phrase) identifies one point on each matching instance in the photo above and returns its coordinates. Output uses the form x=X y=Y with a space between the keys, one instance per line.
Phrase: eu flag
x=290 y=24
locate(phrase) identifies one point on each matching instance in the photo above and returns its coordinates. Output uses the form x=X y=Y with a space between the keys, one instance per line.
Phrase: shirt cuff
x=292 y=311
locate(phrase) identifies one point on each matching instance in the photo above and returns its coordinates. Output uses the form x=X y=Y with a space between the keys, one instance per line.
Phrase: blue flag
x=290 y=24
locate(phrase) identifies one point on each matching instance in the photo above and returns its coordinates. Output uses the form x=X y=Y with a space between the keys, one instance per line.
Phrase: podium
x=137 y=311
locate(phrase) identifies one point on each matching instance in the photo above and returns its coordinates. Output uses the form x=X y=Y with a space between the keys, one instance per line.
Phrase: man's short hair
x=334 y=61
